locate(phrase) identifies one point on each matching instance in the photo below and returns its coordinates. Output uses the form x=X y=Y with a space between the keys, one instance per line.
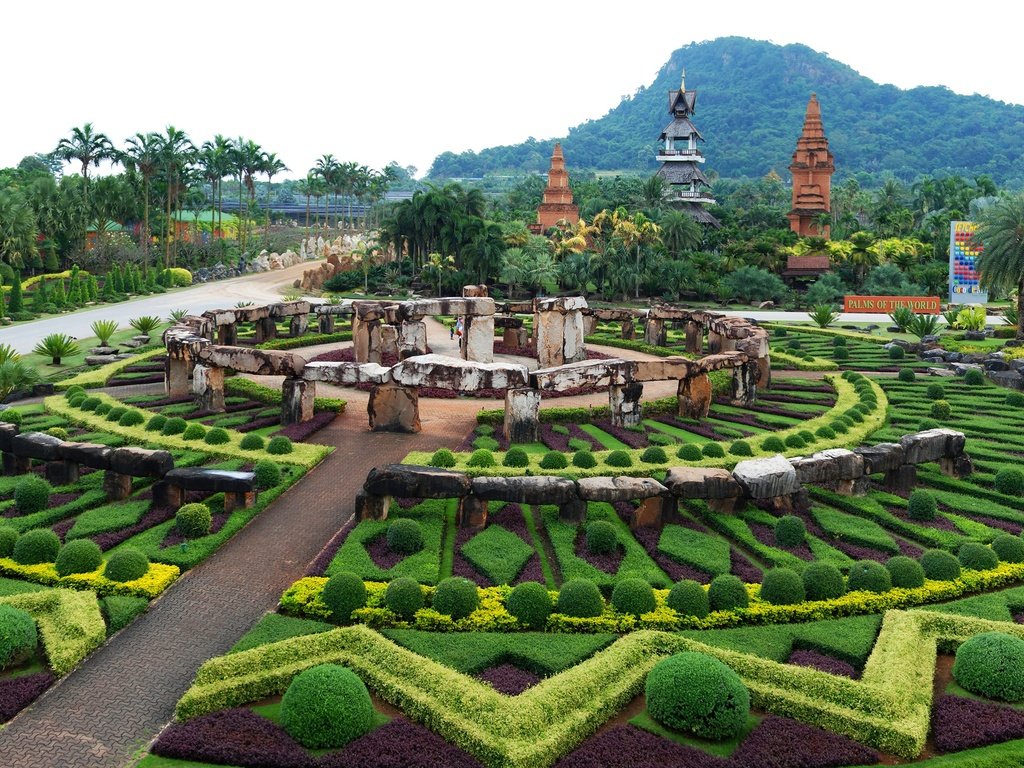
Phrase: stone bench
x=239 y=488
x=656 y=503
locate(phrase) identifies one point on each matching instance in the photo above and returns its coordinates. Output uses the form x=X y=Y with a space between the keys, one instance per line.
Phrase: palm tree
x=88 y=148
x=17 y=228
x=652 y=193
x=680 y=232
x=306 y=187
x=327 y=168
x=1001 y=263
x=214 y=160
x=272 y=165
x=176 y=154
x=248 y=160
x=142 y=155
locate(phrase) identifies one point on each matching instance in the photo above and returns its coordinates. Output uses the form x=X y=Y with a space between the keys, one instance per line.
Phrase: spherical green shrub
x=8 y=536
x=531 y=604
x=32 y=494
x=840 y=353
x=839 y=427
x=992 y=665
x=689 y=452
x=896 y=352
x=974 y=377
x=514 y=457
x=941 y=410
x=554 y=460
x=580 y=598
x=1010 y=549
x=906 y=375
x=921 y=506
x=193 y=520
x=126 y=565
x=156 y=423
x=727 y=592
x=90 y=404
x=79 y=556
x=926 y=424
x=618 y=459
x=115 y=413
x=18 y=636
x=782 y=586
x=403 y=597
x=100 y=410
x=790 y=531
x=653 y=455
x=133 y=418
x=266 y=474
x=633 y=596
x=780 y=333
x=252 y=442
x=584 y=460
x=793 y=344
x=343 y=593
x=405 y=536
x=217 y=436
x=794 y=441
x=40 y=545
x=73 y=391
x=698 y=694
x=11 y=416
x=280 y=445
x=935 y=392
x=905 y=572
x=1010 y=481
x=839 y=341
x=456 y=597
x=713 y=450
x=741 y=448
x=869 y=576
x=481 y=457
x=602 y=537
x=75 y=401
x=823 y=581
x=1015 y=399
x=940 y=565
x=326 y=707
x=174 y=426
x=977 y=557
x=688 y=598
x=443 y=458
x=773 y=443
x=193 y=432
x=825 y=433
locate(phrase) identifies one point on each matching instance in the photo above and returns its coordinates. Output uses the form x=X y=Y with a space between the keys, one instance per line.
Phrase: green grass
x=701 y=550
x=274 y=627
x=606 y=440
x=497 y=553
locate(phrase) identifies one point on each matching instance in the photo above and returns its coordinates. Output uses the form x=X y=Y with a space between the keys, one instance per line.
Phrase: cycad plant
x=951 y=315
x=177 y=314
x=902 y=317
x=145 y=325
x=104 y=329
x=924 y=325
x=56 y=346
x=15 y=374
x=823 y=315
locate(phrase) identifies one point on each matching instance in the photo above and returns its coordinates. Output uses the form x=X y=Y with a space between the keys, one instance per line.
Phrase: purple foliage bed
x=961 y=723
x=16 y=693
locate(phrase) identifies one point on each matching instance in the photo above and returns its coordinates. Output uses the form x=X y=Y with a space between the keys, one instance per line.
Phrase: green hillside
x=750 y=105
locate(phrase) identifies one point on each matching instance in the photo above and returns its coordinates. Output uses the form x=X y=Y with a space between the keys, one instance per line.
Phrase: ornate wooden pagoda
x=557 y=204
x=812 y=169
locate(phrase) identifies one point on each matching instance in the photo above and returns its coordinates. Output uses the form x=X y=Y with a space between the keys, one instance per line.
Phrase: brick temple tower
x=557 y=203
x=812 y=169
x=681 y=160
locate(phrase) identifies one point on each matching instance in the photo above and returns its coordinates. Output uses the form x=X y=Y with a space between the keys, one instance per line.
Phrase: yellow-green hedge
x=98 y=377
x=158 y=578
x=70 y=624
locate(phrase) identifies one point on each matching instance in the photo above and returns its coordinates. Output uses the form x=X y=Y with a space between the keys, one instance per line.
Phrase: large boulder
x=613 y=489
x=90 y=454
x=932 y=445
x=211 y=480
x=702 y=483
x=767 y=478
x=525 y=490
x=141 y=462
x=415 y=481
x=458 y=375
x=37 y=445
x=882 y=457
x=7 y=434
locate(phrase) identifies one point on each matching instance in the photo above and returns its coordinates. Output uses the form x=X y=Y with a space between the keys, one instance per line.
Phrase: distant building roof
x=204 y=217
x=800 y=266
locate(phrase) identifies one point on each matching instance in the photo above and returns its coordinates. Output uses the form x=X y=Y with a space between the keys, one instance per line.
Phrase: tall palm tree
x=18 y=231
x=305 y=187
x=87 y=147
x=248 y=161
x=176 y=155
x=142 y=155
x=1001 y=263
x=272 y=165
x=215 y=160
x=680 y=232
x=327 y=168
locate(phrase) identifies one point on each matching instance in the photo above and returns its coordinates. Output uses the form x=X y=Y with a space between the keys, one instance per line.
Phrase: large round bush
x=601 y=537
x=741 y=448
x=580 y=598
x=251 y=442
x=1010 y=481
x=689 y=598
x=326 y=707
x=156 y=423
x=896 y=352
x=790 y=531
x=713 y=450
x=782 y=586
x=584 y=460
x=194 y=432
x=905 y=572
x=79 y=556
x=126 y=565
x=554 y=460
x=974 y=377
x=941 y=410
x=481 y=457
x=404 y=597
x=940 y=565
x=689 y=452
x=906 y=375
x=193 y=520
x=633 y=596
x=31 y=494
x=174 y=426
x=698 y=694
x=133 y=418
x=18 y=637
x=40 y=545
x=280 y=445
x=921 y=506
x=1015 y=399
x=405 y=536
x=935 y=392
x=977 y=556
x=654 y=455
x=869 y=576
x=217 y=436
x=992 y=665
x=343 y=593
x=618 y=458
x=442 y=457
x=773 y=443
x=1010 y=549
x=266 y=474
x=456 y=597
x=530 y=603
x=8 y=537
x=823 y=581
x=115 y=413
x=514 y=457
x=727 y=592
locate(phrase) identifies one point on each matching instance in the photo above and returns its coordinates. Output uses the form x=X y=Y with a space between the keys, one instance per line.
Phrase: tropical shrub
x=56 y=346
x=923 y=325
x=116 y=412
x=132 y=418
x=689 y=598
x=618 y=458
x=405 y=536
x=1009 y=481
x=773 y=443
x=193 y=432
x=907 y=375
x=689 y=452
x=456 y=597
x=633 y=596
x=193 y=520
x=823 y=315
x=653 y=455
x=515 y=457
x=32 y=494
x=896 y=352
x=941 y=410
x=940 y=565
x=326 y=707
x=18 y=635
x=713 y=450
x=790 y=531
x=869 y=576
x=921 y=506
x=278 y=446
x=974 y=377
x=251 y=442
x=741 y=448
x=935 y=392
x=580 y=598
x=40 y=545
x=782 y=586
x=905 y=572
x=697 y=694
x=173 y=426
x=823 y=581
x=584 y=460
x=403 y=597
x=343 y=593
x=217 y=436
x=902 y=317
x=145 y=325
x=976 y=556
x=156 y=423
x=992 y=665
x=530 y=603
x=794 y=441
x=78 y=556
x=266 y=474
x=177 y=277
x=727 y=592
x=601 y=537
x=554 y=460
x=104 y=329
x=1009 y=549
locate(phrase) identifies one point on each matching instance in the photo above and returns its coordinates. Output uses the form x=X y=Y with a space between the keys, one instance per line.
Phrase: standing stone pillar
x=558 y=329
x=208 y=388
x=388 y=339
x=472 y=512
x=694 y=397
x=694 y=336
x=714 y=342
x=589 y=325
x=266 y=329
x=61 y=472
x=177 y=369
x=744 y=384
x=478 y=343
x=764 y=372
x=727 y=344
x=326 y=323
x=412 y=339
x=369 y=507
x=628 y=329
x=624 y=401
x=654 y=332
x=297 y=397
x=366 y=340
x=522 y=415
x=393 y=408
x=298 y=325
x=227 y=335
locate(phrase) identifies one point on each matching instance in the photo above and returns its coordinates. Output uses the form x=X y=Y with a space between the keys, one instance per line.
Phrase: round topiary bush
x=76 y=400
x=840 y=353
x=839 y=427
x=554 y=460
x=343 y=593
x=326 y=707
x=252 y=442
x=115 y=413
x=741 y=448
x=280 y=445
x=869 y=576
x=653 y=455
x=689 y=452
x=32 y=494
x=991 y=665
x=133 y=418
x=79 y=556
x=584 y=460
x=839 y=341
x=74 y=389
x=403 y=597
x=1009 y=549
x=1015 y=399
x=794 y=441
x=193 y=520
x=456 y=597
x=515 y=457
x=974 y=377
x=977 y=557
x=126 y=565
x=825 y=433
x=790 y=531
x=773 y=443
x=921 y=506
x=59 y=432
x=443 y=458
x=174 y=426
x=90 y=404
x=217 y=436
x=618 y=459
x=782 y=586
x=926 y=424
x=1010 y=481
x=940 y=565
x=580 y=598
x=101 y=409
x=602 y=537
x=156 y=423
x=695 y=693
x=727 y=592
x=713 y=450
x=906 y=375
x=941 y=410
x=780 y=333
x=688 y=598
x=905 y=572
x=18 y=636
x=823 y=581
x=39 y=545
x=633 y=596
x=8 y=537
x=935 y=392
x=11 y=416
x=896 y=352
x=481 y=457
x=194 y=432
x=531 y=604
x=266 y=474
x=793 y=344
x=405 y=536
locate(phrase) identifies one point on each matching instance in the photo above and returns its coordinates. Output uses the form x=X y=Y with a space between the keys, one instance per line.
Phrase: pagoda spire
x=812 y=169
x=557 y=203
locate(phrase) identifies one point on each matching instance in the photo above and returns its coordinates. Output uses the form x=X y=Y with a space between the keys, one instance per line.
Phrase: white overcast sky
x=383 y=80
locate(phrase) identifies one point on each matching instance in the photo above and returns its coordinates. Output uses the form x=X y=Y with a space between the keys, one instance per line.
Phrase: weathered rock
x=1008 y=379
x=61 y=472
x=766 y=478
x=416 y=481
x=902 y=479
x=558 y=329
x=474 y=291
x=472 y=512
x=654 y=332
x=470 y=307
x=702 y=483
x=943 y=372
x=394 y=409
x=932 y=445
x=462 y=376
x=694 y=397
x=588 y=373
x=103 y=351
x=371 y=507
x=208 y=388
x=882 y=457
x=261 y=362
x=212 y=480
x=522 y=415
x=744 y=384
x=90 y=454
x=7 y=435
x=478 y=343
x=117 y=486
x=141 y=462
x=624 y=404
x=412 y=339
x=540 y=489
x=612 y=489
x=37 y=445
x=850 y=465
x=297 y=399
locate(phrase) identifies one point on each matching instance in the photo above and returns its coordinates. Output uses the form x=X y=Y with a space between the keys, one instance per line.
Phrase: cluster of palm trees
x=351 y=180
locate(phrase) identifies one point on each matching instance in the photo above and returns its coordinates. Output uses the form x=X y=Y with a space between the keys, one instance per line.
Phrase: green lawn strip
x=855 y=530
x=722 y=748
x=972 y=528
x=17 y=587
x=737 y=531
x=683 y=435
x=538 y=545
x=109 y=517
x=155 y=761
x=821 y=551
x=48 y=517
x=703 y=551
x=604 y=438
x=497 y=553
x=871 y=508
x=451 y=514
x=964 y=504
x=933 y=477
x=273 y=627
x=98 y=377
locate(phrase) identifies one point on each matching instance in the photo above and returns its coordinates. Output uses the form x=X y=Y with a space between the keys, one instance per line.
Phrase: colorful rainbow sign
x=964 y=281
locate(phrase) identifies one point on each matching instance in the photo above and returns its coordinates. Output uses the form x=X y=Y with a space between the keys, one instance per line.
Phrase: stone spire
x=557 y=203
x=812 y=169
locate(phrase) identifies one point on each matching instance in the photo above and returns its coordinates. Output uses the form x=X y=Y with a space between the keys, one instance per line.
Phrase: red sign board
x=922 y=305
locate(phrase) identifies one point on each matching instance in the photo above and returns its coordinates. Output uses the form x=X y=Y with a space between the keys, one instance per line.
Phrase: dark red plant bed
x=348 y=355
x=626 y=746
x=381 y=554
x=152 y=518
x=63 y=527
x=961 y=723
x=804 y=657
x=16 y=693
x=778 y=742
x=304 y=430
x=174 y=539
x=627 y=436
x=774 y=397
x=740 y=566
x=940 y=523
x=467 y=442
x=326 y=555
x=508 y=679
x=268 y=421
x=155 y=378
x=608 y=563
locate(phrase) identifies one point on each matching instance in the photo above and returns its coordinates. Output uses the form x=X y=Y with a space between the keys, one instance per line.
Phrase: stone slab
x=702 y=483
x=612 y=489
x=766 y=478
x=416 y=481
x=539 y=489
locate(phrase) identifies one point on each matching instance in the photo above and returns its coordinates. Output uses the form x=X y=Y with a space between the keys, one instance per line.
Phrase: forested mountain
x=750 y=106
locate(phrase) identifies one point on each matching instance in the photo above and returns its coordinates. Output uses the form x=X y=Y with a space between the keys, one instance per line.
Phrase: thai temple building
x=681 y=160
x=557 y=204
x=812 y=169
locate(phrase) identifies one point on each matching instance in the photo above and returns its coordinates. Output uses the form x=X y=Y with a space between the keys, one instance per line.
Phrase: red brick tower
x=557 y=203
x=812 y=169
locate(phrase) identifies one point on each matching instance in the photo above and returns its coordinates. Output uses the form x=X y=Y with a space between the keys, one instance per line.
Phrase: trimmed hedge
x=727 y=592
x=403 y=597
x=193 y=520
x=633 y=597
x=601 y=537
x=905 y=572
x=531 y=604
x=405 y=536
x=823 y=581
x=456 y=597
x=39 y=545
x=977 y=556
x=18 y=636
x=580 y=598
x=127 y=564
x=782 y=586
x=78 y=556
x=688 y=598
x=869 y=576
x=32 y=494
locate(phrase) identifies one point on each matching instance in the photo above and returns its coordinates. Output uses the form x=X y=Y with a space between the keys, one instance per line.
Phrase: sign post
x=964 y=281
